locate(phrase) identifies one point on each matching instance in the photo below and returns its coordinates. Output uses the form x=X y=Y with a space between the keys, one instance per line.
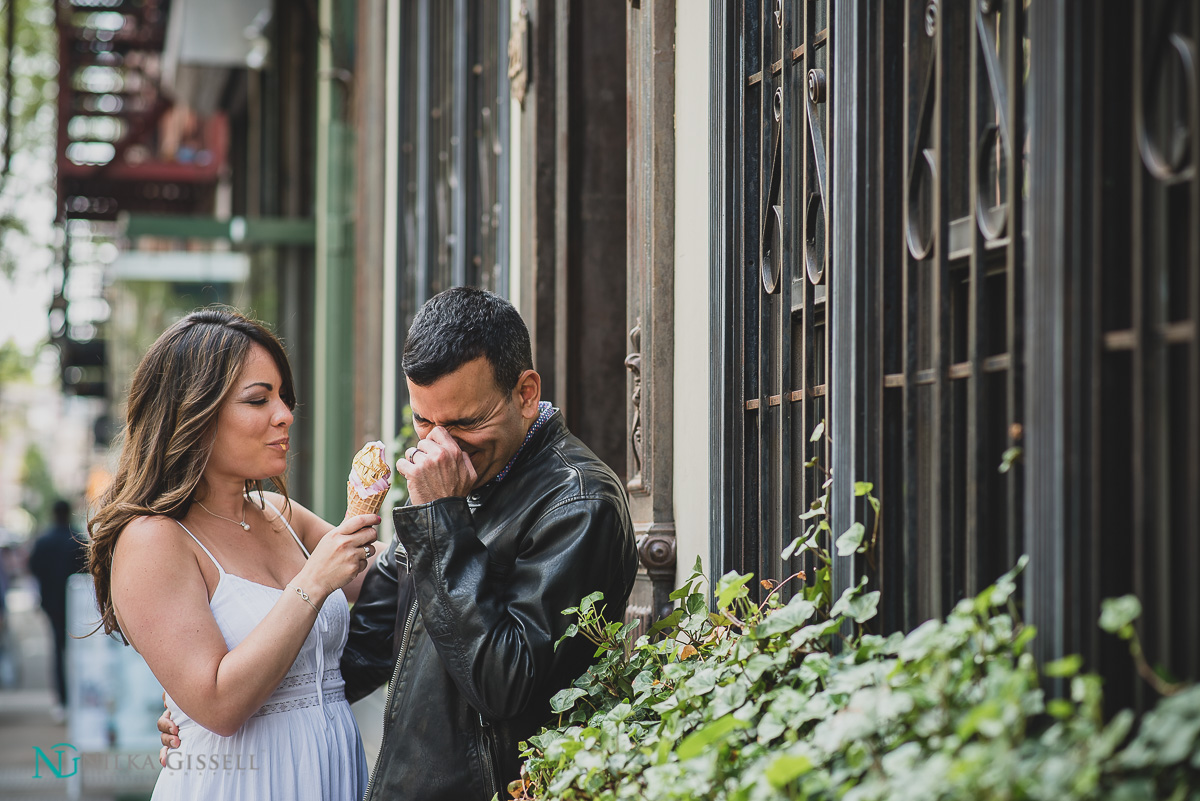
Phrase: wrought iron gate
x=1001 y=328
x=779 y=289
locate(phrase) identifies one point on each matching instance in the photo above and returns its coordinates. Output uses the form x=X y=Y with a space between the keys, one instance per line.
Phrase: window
x=453 y=181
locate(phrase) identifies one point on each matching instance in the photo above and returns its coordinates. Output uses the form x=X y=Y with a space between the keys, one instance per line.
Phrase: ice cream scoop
x=369 y=481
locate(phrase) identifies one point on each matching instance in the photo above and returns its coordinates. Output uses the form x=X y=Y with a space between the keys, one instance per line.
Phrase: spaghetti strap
x=286 y=523
x=220 y=570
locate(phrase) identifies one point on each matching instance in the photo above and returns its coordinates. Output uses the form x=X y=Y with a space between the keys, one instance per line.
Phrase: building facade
x=769 y=250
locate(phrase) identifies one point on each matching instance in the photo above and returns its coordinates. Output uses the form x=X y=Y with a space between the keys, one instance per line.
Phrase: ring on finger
x=410 y=454
x=369 y=551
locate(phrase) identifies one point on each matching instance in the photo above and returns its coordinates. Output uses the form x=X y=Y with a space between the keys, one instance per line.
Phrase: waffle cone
x=357 y=505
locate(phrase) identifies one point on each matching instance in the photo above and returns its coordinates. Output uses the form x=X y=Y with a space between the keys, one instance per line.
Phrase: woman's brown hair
x=170 y=424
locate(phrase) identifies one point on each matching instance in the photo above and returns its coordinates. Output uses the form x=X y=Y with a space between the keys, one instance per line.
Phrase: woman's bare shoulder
x=154 y=537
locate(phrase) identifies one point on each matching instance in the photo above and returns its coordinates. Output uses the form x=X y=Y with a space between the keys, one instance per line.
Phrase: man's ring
x=410 y=453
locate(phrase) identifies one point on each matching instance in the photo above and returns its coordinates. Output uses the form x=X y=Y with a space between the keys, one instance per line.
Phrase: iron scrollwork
x=816 y=214
x=995 y=142
x=1169 y=153
x=922 y=169
x=992 y=220
x=771 y=243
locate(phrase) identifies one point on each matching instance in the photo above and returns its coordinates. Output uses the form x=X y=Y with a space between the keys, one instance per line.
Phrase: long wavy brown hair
x=170 y=426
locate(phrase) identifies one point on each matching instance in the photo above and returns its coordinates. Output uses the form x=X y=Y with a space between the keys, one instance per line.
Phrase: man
x=56 y=555
x=512 y=519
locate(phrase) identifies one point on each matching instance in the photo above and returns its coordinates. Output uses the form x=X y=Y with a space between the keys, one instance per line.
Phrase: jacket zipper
x=387 y=704
x=486 y=752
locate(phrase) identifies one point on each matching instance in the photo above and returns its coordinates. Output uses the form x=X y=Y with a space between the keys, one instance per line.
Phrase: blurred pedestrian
x=7 y=662
x=58 y=553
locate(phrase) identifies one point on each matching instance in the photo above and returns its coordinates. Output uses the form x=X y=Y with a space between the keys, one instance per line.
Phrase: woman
x=235 y=597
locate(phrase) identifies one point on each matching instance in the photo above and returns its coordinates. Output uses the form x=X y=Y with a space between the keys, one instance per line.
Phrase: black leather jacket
x=463 y=612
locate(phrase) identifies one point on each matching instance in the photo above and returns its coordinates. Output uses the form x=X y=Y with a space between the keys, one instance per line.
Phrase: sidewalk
x=26 y=700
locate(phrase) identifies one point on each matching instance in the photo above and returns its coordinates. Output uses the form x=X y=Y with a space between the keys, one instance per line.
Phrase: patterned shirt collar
x=545 y=410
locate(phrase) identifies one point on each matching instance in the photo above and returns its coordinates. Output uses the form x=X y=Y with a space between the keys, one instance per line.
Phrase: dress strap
x=286 y=523
x=220 y=570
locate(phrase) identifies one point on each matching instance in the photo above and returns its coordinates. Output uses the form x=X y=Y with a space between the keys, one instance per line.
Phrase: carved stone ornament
x=518 y=50
x=633 y=362
x=657 y=552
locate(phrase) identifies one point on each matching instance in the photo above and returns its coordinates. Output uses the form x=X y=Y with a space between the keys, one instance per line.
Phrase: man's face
x=488 y=424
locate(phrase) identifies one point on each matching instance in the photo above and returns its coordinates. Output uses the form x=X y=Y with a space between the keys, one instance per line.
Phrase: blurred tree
x=14 y=365
x=15 y=368
x=28 y=88
x=39 y=492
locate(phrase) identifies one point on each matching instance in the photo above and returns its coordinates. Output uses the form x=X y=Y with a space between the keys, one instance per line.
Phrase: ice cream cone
x=369 y=481
x=357 y=505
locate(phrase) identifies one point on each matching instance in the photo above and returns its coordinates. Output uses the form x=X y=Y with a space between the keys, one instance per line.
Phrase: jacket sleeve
x=495 y=627
x=367 y=658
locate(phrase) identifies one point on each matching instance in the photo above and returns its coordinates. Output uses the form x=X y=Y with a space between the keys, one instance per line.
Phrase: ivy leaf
x=843 y=602
x=563 y=700
x=1117 y=615
x=987 y=718
x=668 y=622
x=732 y=585
x=817 y=432
x=1060 y=708
x=850 y=541
x=786 y=619
x=1028 y=632
x=585 y=605
x=571 y=631
x=1009 y=458
x=695 y=743
x=861 y=608
x=862 y=488
x=1064 y=668
x=786 y=768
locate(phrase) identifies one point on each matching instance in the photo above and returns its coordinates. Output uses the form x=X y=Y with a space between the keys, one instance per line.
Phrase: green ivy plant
x=774 y=701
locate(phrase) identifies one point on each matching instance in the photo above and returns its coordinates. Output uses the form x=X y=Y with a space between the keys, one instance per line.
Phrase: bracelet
x=304 y=596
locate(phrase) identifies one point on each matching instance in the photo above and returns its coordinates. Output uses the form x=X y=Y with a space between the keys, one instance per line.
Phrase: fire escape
x=123 y=145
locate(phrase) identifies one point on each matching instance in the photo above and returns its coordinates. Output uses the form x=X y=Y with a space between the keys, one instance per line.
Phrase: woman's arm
x=310 y=528
x=162 y=604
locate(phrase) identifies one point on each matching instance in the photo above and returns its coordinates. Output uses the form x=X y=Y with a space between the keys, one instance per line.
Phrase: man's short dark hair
x=62 y=512
x=458 y=326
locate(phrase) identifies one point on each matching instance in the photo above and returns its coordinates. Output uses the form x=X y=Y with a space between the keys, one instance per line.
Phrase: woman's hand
x=341 y=555
x=168 y=733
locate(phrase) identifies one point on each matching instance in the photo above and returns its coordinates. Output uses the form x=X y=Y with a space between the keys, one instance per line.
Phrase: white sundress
x=302 y=744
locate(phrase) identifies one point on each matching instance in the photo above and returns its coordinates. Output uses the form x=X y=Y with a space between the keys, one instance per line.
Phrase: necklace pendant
x=245 y=526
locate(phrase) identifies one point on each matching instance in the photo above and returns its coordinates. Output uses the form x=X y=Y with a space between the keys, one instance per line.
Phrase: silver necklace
x=245 y=526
